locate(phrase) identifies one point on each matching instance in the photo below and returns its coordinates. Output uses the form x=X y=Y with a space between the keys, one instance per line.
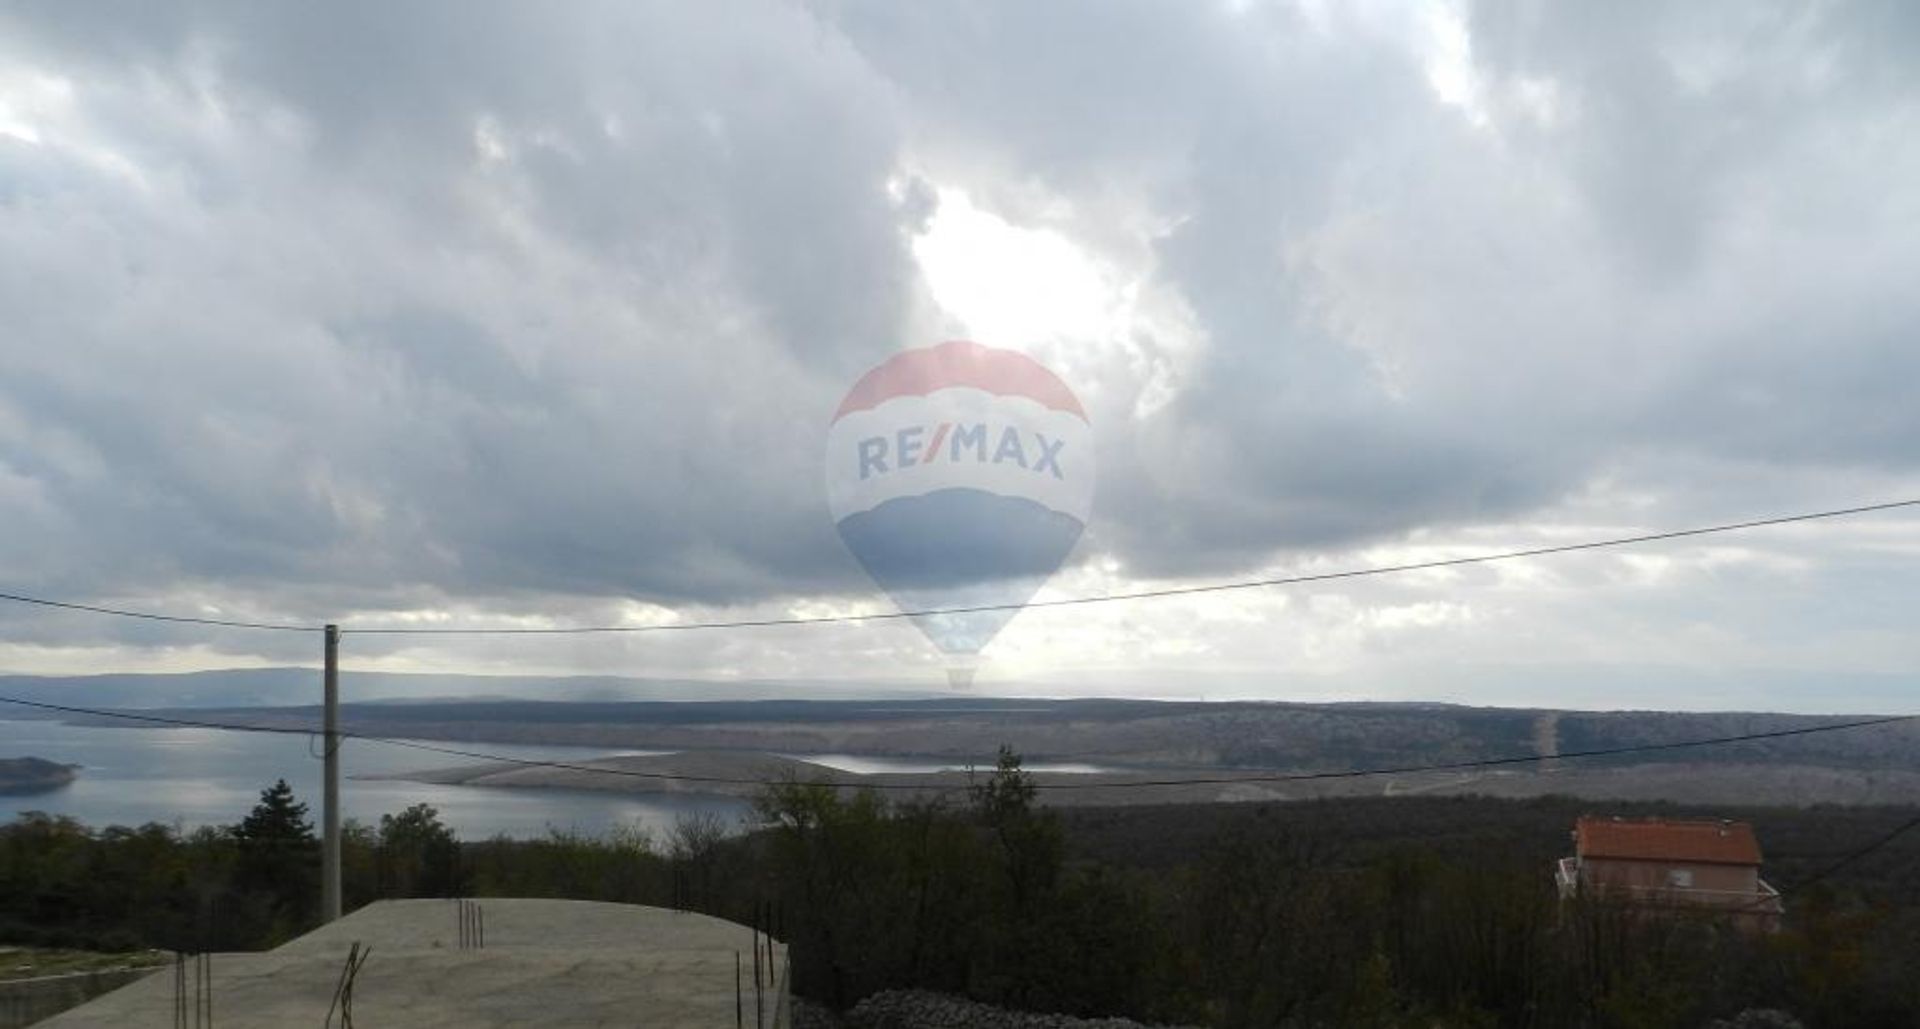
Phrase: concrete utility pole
x=330 y=793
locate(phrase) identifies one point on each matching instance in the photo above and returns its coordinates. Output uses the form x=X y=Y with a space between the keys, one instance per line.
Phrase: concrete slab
x=546 y=962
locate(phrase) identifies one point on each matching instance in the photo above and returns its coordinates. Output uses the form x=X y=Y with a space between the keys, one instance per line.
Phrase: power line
x=1819 y=876
x=1105 y=598
x=1288 y=777
x=1493 y=762
x=155 y=617
x=1121 y=784
x=1901 y=830
x=1171 y=591
x=1780 y=894
x=181 y=723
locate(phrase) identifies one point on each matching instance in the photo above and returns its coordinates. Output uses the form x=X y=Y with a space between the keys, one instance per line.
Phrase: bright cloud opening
x=1015 y=286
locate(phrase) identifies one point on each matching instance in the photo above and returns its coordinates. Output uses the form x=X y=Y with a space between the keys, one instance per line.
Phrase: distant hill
x=281 y=687
x=738 y=774
x=1876 y=764
x=1134 y=733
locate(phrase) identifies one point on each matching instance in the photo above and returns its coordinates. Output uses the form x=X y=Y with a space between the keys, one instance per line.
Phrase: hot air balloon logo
x=960 y=476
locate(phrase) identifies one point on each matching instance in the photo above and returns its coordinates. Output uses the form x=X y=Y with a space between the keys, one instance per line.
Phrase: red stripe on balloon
x=958 y=363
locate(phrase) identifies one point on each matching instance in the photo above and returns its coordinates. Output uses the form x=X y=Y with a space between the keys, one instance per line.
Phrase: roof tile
x=1662 y=839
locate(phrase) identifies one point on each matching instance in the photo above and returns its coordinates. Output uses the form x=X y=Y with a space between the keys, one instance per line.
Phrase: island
x=33 y=775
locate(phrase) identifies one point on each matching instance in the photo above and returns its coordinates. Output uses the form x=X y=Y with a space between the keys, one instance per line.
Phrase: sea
x=194 y=777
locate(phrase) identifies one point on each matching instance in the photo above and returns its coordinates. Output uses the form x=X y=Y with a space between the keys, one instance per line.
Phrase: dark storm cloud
x=367 y=304
x=326 y=340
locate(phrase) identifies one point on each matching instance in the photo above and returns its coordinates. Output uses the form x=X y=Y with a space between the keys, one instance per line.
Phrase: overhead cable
x=1286 y=777
x=156 y=617
x=1153 y=594
x=1104 y=598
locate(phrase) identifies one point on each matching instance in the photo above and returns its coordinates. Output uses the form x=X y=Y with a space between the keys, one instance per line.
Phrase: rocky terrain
x=1146 y=734
x=737 y=774
x=1244 y=751
x=920 y=1009
x=1247 y=751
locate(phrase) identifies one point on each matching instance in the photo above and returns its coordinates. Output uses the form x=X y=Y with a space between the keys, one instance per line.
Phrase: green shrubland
x=1356 y=912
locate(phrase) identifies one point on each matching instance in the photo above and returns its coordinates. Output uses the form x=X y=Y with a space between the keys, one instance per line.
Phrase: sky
x=491 y=314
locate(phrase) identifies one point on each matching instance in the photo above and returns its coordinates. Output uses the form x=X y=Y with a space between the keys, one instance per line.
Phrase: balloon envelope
x=960 y=475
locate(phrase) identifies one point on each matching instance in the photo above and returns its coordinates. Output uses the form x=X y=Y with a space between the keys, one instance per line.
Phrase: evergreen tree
x=277 y=819
x=278 y=871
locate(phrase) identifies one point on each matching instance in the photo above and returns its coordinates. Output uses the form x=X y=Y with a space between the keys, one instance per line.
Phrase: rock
x=1758 y=1018
x=808 y=1015
x=920 y=1009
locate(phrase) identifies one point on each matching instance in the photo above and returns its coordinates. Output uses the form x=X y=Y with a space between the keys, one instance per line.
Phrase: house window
x=1680 y=878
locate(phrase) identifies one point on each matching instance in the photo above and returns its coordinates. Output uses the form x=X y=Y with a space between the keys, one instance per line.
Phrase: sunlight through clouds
x=511 y=316
x=1017 y=287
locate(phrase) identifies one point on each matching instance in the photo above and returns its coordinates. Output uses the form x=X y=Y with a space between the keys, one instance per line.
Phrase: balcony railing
x=1566 y=877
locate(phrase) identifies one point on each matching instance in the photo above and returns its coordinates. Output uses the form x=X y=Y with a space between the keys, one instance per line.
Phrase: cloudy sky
x=529 y=314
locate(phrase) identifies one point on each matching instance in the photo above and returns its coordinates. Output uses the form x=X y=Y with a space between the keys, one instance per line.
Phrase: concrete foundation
x=545 y=962
x=24 y=1002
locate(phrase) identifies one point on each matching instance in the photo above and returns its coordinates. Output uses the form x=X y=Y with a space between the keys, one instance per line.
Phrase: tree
x=419 y=855
x=1030 y=841
x=694 y=847
x=1007 y=795
x=277 y=819
x=278 y=871
x=1029 y=855
x=829 y=859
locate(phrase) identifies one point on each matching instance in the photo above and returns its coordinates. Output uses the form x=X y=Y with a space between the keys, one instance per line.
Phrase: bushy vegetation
x=1379 y=912
x=1374 y=912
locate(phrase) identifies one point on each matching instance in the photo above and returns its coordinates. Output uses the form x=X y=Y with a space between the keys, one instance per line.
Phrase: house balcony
x=1566 y=877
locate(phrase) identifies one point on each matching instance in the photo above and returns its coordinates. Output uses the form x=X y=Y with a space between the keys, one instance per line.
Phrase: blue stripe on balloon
x=960 y=547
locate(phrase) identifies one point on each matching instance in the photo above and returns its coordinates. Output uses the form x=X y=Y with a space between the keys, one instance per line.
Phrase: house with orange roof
x=1702 y=865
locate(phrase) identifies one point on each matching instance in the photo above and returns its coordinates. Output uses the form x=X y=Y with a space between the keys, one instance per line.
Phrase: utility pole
x=330 y=793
